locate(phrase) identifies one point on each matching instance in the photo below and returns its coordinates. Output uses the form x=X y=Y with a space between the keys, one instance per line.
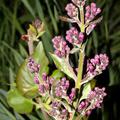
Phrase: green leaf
x=19 y=103
x=54 y=22
x=31 y=117
x=29 y=7
x=5 y=114
x=63 y=65
x=24 y=79
x=57 y=74
x=87 y=88
x=3 y=97
x=40 y=57
x=18 y=116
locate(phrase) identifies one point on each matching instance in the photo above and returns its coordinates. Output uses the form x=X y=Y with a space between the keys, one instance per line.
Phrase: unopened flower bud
x=71 y=10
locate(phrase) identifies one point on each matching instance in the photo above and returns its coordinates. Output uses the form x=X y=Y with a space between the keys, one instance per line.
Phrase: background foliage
x=15 y=16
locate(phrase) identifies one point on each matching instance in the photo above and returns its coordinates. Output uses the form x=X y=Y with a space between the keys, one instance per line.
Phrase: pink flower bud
x=93 y=5
x=61 y=47
x=74 y=37
x=98 y=11
x=71 y=10
x=81 y=37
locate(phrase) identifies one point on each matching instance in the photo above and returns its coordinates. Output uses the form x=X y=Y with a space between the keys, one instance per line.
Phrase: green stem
x=82 y=25
x=81 y=57
x=81 y=54
x=80 y=67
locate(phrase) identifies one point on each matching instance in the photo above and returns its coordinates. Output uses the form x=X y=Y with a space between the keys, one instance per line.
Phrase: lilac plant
x=72 y=95
x=84 y=16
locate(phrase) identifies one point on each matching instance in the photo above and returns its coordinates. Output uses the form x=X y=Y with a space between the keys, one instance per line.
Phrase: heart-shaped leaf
x=19 y=103
x=63 y=65
x=24 y=78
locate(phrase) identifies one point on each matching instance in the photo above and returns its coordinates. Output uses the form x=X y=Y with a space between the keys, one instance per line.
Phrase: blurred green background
x=15 y=16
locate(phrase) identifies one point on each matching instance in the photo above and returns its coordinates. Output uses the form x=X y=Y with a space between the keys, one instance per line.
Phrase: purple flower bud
x=47 y=86
x=88 y=112
x=96 y=96
x=104 y=61
x=41 y=89
x=61 y=47
x=87 y=15
x=32 y=66
x=81 y=37
x=44 y=76
x=36 y=78
x=72 y=95
x=74 y=37
x=76 y=2
x=67 y=84
x=51 y=80
x=61 y=88
x=72 y=11
x=93 y=5
x=93 y=100
x=98 y=11
x=82 y=105
x=79 y=2
x=63 y=80
x=55 y=104
x=97 y=64
x=91 y=12
x=64 y=114
x=87 y=8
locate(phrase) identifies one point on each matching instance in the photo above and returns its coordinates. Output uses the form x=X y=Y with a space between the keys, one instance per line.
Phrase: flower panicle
x=97 y=64
x=93 y=100
x=61 y=47
x=62 y=95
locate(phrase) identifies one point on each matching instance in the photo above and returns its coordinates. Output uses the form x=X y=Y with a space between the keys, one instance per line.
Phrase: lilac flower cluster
x=72 y=10
x=61 y=88
x=96 y=65
x=61 y=47
x=91 y=12
x=94 y=100
x=32 y=66
x=37 y=23
x=45 y=85
x=58 y=111
x=74 y=37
